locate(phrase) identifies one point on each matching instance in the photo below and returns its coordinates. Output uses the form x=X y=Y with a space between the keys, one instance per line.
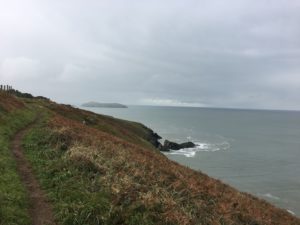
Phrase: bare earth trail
x=40 y=209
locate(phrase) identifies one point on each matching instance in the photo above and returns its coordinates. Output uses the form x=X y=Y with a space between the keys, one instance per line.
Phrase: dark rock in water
x=154 y=138
x=188 y=144
x=169 y=145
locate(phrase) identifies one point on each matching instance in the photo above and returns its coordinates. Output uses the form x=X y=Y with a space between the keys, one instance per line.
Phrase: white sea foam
x=187 y=152
x=291 y=212
x=200 y=147
x=269 y=195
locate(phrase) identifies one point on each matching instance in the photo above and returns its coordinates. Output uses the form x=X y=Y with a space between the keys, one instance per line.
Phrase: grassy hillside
x=13 y=200
x=99 y=170
x=130 y=131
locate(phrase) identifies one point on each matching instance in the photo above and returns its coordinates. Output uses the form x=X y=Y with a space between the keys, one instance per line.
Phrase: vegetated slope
x=13 y=198
x=40 y=210
x=9 y=103
x=100 y=170
x=137 y=184
x=128 y=130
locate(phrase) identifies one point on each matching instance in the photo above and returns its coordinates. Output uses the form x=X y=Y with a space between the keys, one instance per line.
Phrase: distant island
x=103 y=105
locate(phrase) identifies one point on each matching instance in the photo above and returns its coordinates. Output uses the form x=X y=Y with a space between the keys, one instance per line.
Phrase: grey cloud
x=217 y=53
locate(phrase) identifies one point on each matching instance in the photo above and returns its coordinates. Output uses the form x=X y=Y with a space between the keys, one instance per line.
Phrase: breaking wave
x=200 y=147
x=270 y=196
x=291 y=212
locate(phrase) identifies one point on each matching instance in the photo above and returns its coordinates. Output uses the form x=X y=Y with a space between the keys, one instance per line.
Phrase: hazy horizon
x=215 y=54
x=181 y=106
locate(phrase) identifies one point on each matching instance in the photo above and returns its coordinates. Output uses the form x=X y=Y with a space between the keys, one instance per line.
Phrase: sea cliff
x=97 y=169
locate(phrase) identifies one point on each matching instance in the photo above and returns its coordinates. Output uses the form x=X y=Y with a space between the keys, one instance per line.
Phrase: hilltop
x=96 y=169
x=103 y=105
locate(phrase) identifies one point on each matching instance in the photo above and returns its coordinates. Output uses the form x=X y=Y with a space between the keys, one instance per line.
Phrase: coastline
x=107 y=169
x=219 y=155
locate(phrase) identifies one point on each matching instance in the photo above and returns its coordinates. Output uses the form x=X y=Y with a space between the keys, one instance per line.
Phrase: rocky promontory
x=169 y=145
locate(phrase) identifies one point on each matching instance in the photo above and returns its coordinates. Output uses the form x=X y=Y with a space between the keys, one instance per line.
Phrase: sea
x=255 y=151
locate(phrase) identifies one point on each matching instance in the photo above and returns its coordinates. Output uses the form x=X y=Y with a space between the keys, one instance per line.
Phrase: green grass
x=13 y=199
x=75 y=191
x=75 y=187
x=93 y=174
x=130 y=131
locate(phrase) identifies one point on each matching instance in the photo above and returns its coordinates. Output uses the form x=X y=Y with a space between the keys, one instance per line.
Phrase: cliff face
x=99 y=167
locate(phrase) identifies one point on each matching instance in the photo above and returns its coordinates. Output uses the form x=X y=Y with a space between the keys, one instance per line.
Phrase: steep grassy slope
x=130 y=131
x=105 y=171
x=143 y=185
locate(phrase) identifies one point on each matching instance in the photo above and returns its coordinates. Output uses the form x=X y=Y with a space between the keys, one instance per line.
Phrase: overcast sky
x=215 y=53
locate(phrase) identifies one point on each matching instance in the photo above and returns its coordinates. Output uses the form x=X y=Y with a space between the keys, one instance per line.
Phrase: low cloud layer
x=243 y=54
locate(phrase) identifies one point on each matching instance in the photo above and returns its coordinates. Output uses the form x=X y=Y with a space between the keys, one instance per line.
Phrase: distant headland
x=103 y=105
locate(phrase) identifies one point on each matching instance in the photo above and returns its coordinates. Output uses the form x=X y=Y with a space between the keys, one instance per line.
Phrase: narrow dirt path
x=40 y=209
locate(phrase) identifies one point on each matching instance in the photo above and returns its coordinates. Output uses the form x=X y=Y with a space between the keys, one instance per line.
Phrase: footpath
x=40 y=209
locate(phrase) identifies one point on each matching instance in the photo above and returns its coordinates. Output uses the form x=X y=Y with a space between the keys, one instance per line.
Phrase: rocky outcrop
x=169 y=145
x=154 y=138
x=188 y=144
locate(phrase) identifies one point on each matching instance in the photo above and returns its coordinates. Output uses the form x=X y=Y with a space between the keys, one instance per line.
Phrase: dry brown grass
x=172 y=193
x=9 y=102
x=132 y=132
